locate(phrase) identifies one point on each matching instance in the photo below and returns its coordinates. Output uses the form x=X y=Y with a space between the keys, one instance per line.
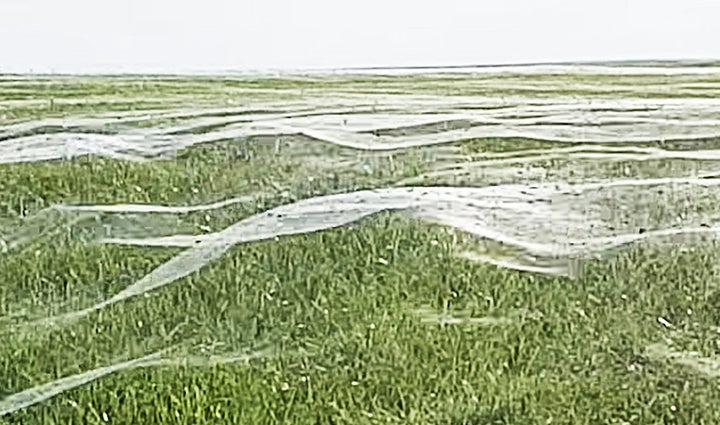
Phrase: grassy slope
x=347 y=314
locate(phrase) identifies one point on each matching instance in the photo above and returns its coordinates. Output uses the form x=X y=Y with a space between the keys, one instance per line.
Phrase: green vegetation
x=23 y=97
x=352 y=345
x=380 y=322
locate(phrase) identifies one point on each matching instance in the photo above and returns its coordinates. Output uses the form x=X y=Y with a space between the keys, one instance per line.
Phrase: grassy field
x=377 y=322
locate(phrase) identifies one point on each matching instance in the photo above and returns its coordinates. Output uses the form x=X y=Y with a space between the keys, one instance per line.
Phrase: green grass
x=352 y=347
x=379 y=322
x=23 y=98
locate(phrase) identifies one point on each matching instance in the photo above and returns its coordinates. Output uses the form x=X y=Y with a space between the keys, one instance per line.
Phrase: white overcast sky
x=219 y=35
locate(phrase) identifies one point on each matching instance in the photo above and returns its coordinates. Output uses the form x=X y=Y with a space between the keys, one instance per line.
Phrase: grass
x=379 y=322
x=38 y=97
x=571 y=351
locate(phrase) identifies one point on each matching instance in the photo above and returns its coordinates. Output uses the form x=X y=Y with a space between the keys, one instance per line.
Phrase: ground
x=378 y=321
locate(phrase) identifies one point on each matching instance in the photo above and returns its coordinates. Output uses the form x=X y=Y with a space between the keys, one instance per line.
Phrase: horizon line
x=687 y=62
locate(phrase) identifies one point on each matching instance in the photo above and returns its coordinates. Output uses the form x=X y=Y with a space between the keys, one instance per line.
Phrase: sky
x=90 y=36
